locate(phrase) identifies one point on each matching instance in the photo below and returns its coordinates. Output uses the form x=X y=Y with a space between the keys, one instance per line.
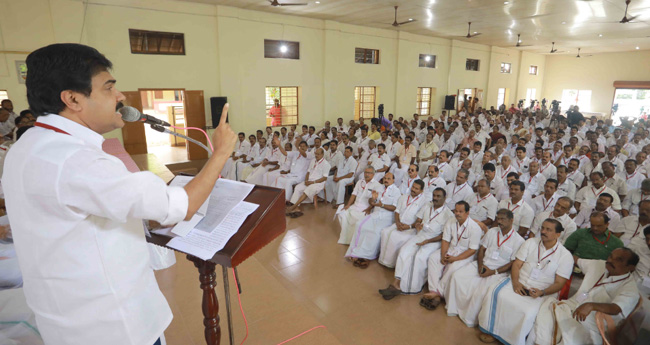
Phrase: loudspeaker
x=216 y=107
x=450 y=102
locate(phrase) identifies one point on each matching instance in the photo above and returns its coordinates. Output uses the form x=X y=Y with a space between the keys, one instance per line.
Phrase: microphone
x=131 y=114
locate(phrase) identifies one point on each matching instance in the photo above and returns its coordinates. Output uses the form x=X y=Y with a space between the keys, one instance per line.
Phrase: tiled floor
x=301 y=280
x=169 y=154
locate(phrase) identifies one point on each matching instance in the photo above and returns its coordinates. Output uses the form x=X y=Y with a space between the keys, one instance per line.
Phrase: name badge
x=495 y=255
x=534 y=274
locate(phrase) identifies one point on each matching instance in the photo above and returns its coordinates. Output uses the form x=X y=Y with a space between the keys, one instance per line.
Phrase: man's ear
x=71 y=100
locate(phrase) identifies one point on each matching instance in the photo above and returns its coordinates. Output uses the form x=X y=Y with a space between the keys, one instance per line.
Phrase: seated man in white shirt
x=560 y=213
x=405 y=157
x=630 y=228
x=483 y=206
x=460 y=241
x=241 y=148
x=541 y=269
x=496 y=184
x=406 y=216
x=299 y=164
x=380 y=161
x=534 y=181
x=271 y=160
x=613 y=180
x=367 y=235
x=335 y=185
x=411 y=267
x=546 y=167
x=545 y=201
x=407 y=181
x=631 y=202
x=587 y=196
x=433 y=181
x=313 y=184
x=608 y=288
x=357 y=206
x=603 y=204
x=10 y=275
x=574 y=173
x=468 y=286
x=524 y=214
x=459 y=190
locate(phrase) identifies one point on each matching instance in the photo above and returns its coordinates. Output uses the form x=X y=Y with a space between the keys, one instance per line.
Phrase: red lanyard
x=629 y=177
x=597 y=194
x=414 y=200
x=479 y=201
x=505 y=173
x=531 y=178
x=609 y=234
x=408 y=184
x=513 y=210
x=598 y=283
x=549 y=202
x=437 y=214
x=504 y=241
x=607 y=179
x=538 y=253
x=431 y=181
x=458 y=237
x=461 y=188
x=318 y=163
x=46 y=126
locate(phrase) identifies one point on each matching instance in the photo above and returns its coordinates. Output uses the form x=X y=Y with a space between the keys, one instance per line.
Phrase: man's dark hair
x=464 y=204
x=489 y=167
x=558 y=226
x=506 y=212
x=59 y=67
x=444 y=193
x=607 y=195
x=21 y=131
x=419 y=183
x=25 y=112
x=18 y=119
x=634 y=258
x=521 y=185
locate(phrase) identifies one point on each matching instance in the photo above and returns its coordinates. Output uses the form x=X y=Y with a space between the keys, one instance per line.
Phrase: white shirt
x=576 y=177
x=346 y=166
x=334 y=158
x=482 y=208
x=457 y=193
x=299 y=164
x=318 y=169
x=567 y=188
x=379 y=162
x=523 y=213
x=633 y=181
x=583 y=219
x=500 y=249
x=408 y=207
x=632 y=200
x=617 y=184
x=541 y=265
x=389 y=196
x=430 y=184
x=446 y=171
x=8 y=126
x=363 y=191
x=433 y=219
x=588 y=195
x=521 y=165
x=407 y=183
x=567 y=223
x=76 y=215
x=462 y=236
x=632 y=231
x=242 y=147
x=541 y=204
x=549 y=170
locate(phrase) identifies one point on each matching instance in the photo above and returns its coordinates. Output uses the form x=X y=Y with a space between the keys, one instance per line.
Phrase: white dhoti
x=366 y=238
x=269 y=178
x=241 y=166
x=336 y=190
x=515 y=313
x=229 y=169
x=439 y=275
x=286 y=182
x=465 y=293
x=246 y=172
x=310 y=191
x=257 y=175
x=391 y=242
x=411 y=267
x=348 y=219
x=560 y=314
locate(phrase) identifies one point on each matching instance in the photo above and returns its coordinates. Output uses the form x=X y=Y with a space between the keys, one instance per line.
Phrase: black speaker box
x=450 y=102
x=216 y=107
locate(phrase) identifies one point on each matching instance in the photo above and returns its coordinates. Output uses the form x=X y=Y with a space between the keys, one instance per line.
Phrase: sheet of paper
x=183 y=228
x=181 y=181
x=203 y=244
x=164 y=232
x=224 y=197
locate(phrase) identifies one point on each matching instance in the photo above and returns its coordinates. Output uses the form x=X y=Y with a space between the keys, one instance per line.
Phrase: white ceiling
x=538 y=21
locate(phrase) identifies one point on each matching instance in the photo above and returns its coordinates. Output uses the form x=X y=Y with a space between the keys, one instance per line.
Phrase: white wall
x=224 y=47
x=596 y=73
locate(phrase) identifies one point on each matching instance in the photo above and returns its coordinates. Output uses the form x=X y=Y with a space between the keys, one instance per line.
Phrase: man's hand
x=583 y=311
x=518 y=288
x=422 y=243
x=450 y=258
x=223 y=137
x=418 y=226
x=336 y=179
x=488 y=272
x=308 y=183
x=535 y=293
x=4 y=231
x=346 y=207
x=283 y=172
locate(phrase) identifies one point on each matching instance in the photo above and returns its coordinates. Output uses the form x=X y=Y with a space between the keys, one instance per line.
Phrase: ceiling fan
x=553 y=50
x=469 y=26
x=578 y=56
x=519 y=42
x=396 y=23
x=625 y=18
x=275 y=3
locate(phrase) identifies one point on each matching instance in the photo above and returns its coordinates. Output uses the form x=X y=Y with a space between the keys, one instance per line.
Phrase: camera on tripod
x=520 y=104
x=555 y=105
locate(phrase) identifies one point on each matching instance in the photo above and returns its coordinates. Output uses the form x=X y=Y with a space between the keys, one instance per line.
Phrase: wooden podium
x=260 y=228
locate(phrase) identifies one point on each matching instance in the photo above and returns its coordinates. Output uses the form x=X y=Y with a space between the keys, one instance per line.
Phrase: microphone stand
x=162 y=129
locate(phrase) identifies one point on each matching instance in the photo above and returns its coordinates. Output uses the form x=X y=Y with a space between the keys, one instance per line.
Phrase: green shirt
x=585 y=245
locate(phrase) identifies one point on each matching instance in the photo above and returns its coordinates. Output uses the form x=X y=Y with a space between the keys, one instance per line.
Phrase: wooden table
x=260 y=228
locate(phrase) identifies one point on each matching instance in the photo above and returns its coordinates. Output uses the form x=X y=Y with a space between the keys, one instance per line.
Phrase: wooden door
x=195 y=117
x=135 y=140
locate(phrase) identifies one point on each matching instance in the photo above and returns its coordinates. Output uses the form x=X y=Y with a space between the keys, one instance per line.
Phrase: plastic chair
x=564 y=293
x=608 y=329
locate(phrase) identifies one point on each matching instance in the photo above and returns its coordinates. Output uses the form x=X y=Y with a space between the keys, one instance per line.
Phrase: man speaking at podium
x=76 y=212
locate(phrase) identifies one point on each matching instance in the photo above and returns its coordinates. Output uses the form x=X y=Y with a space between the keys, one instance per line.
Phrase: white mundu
x=457 y=193
x=241 y=147
x=523 y=213
x=76 y=214
x=317 y=170
x=392 y=239
x=247 y=169
x=366 y=239
x=502 y=305
x=567 y=223
x=257 y=176
x=466 y=289
x=411 y=266
x=336 y=190
x=349 y=218
x=599 y=287
x=482 y=208
x=297 y=174
x=460 y=238
x=239 y=166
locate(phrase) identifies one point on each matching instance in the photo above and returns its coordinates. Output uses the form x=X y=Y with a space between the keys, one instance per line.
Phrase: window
x=530 y=95
x=631 y=104
x=501 y=97
x=3 y=95
x=532 y=70
x=424 y=101
x=364 y=102
x=472 y=64
x=363 y=55
x=505 y=67
x=155 y=42
x=285 y=112
x=281 y=49
x=581 y=98
x=428 y=61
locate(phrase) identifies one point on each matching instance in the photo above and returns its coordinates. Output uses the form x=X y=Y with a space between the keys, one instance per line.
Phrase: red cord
x=198 y=129
x=246 y=322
